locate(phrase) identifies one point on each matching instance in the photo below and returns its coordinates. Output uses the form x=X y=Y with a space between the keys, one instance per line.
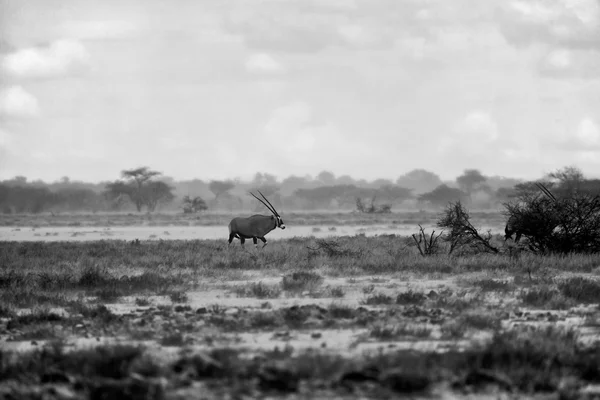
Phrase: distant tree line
x=143 y=189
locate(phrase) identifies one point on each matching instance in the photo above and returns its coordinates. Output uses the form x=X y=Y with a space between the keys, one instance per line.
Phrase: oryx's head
x=278 y=221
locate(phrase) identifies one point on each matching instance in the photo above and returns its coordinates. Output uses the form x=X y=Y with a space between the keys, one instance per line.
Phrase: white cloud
x=300 y=143
x=479 y=125
x=571 y=23
x=559 y=59
x=588 y=133
x=16 y=102
x=100 y=29
x=569 y=30
x=562 y=63
x=474 y=138
x=584 y=137
x=5 y=139
x=263 y=63
x=362 y=35
x=62 y=57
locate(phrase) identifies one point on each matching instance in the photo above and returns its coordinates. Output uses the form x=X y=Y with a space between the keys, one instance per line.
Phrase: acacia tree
x=568 y=180
x=470 y=180
x=442 y=195
x=419 y=180
x=264 y=179
x=155 y=193
x=137 y=185
x=193 y=205
x=219 y=188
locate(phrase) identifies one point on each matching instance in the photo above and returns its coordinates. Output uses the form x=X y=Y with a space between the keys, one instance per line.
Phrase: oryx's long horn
x=545 y=190
x=267 y=200
x=265 y=204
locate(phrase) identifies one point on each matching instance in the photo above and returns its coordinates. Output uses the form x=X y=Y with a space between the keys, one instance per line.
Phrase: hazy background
x=368 y=88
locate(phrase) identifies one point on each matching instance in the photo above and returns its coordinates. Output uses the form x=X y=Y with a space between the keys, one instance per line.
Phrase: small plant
x=301 y=281
x=492 y=285
x=44 y=332
x=542 y=297
x=6 y=311
x=378 y=299
x=389 y=332
x=108 y=294
x=178 y=296
x=337 y=292
x=265 y=320
x=332 y=248
x=480 y=320
x=341 y=311
x=368 y=289
x=411 y=297
x=581 y=289
x=40 y=316
x=142 y=301
x=427 y=245
x=259 y=290
x=175 y=339
x=456 y=304
x=453 y=330
x=295 y=316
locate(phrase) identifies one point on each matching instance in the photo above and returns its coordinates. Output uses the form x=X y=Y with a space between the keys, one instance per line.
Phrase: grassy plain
x=352 y=317
x=297 y=218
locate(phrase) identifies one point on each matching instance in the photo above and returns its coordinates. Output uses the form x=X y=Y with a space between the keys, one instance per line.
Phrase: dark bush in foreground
x=528 y=361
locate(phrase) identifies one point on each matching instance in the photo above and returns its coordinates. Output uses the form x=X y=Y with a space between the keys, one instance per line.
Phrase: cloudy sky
x=371 y=88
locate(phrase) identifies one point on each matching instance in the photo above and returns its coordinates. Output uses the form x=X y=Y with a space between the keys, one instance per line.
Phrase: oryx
x=516 y=225
x=256 y=226
x=512 y=228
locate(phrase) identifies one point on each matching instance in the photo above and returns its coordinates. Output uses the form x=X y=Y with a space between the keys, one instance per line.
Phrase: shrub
x=411 y=297
x=555 y=225
x=581 y=289
x=377 y=299
x=301 y=280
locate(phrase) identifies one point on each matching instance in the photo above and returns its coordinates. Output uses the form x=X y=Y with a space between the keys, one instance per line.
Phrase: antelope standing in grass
x=256 y=226
x=515 y=224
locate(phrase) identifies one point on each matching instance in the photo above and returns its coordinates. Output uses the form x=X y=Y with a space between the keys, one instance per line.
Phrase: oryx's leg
x=242 y=240
x=263 y=240
x=255 y=242
x=231 y=236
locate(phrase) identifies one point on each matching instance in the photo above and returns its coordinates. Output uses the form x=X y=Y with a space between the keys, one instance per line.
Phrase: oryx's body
x=512 y=227
x=256 y=226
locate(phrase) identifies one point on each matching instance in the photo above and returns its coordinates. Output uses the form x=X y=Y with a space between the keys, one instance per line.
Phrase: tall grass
x=109 y=269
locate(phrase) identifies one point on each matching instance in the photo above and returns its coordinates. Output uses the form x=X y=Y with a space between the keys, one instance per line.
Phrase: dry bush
x=372 y=208
x=462 y=236
x=564 y=225
x=332 y=248
x=427 y=245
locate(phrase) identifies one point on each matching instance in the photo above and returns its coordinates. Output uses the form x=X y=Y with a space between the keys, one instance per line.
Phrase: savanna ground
x=297 y=218
x=341 y=317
